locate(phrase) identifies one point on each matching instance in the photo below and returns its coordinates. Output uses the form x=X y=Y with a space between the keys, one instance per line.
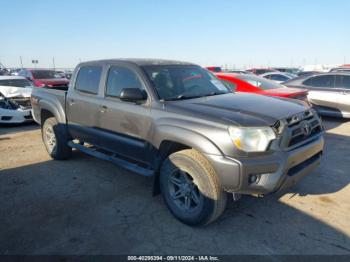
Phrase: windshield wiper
x=183 y=97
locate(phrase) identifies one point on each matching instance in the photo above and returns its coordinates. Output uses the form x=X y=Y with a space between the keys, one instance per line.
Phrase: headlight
x=252 y=139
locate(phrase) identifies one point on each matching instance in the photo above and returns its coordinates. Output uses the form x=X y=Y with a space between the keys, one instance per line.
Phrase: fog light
x=254 y=179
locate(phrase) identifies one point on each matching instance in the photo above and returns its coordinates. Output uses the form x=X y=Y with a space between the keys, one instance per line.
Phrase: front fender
x=55 y=108
x=184 y=136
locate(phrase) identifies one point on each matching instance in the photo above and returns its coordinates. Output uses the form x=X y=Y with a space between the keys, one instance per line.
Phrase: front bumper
x=9 y=116
x=273 y=172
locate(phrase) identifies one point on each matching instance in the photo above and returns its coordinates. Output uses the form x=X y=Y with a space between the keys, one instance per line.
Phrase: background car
x=328 y=92
x=68 y=74
x=239 y=71
x=45 y=78
x=343 y=68
x=278 y=77
x=15 y=81
x=15 y=71
x=15 y=105
x=3 y=70
x=255 y=84
x=291 y=70
x=214 y=68
x=308 y=73
x=60 y=74
x=260 y=71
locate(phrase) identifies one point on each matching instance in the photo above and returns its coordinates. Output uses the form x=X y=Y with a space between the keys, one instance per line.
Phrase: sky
x=235 y=33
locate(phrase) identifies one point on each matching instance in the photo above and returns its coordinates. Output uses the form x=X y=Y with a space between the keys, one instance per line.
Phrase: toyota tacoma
x=178 y=123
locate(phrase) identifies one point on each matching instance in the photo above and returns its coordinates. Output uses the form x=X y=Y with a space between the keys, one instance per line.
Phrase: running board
x=118 y=161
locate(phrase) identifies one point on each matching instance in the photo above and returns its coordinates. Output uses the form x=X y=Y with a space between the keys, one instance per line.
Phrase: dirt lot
x=88 y=206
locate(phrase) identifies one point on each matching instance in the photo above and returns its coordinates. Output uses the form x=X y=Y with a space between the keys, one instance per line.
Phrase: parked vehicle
x=278 y=77
x=68 y=74
x=45 y=78
x=344 y=68
x=260 y=71
x=290 y=70
x=15 y=71
x=178 y=123
x=15 y=104
x=3 y=70
x=329 y=93
x=258 y=85
x=308 y=73
x=236 y=71
x=60 y=74
x=214 y=68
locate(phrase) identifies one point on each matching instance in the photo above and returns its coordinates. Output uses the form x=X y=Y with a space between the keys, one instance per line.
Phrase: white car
x=15 y=106
x=278 y=77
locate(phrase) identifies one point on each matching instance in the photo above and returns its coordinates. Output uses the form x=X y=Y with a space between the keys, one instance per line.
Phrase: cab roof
x=139 y=61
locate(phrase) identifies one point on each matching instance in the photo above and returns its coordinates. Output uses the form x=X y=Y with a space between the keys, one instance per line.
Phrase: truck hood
x=12 y=91
x=239 y=108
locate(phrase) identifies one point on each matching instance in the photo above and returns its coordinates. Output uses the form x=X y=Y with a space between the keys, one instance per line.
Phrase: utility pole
x=20 y=59
x=53 y=62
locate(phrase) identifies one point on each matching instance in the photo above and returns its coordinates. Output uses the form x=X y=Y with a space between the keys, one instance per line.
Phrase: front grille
x=23 y=102
x=301 y=127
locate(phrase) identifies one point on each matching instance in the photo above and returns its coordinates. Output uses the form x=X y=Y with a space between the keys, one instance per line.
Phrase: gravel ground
x=88 y=206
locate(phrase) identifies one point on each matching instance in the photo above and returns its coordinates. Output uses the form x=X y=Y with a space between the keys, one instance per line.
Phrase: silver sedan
x=328 y=92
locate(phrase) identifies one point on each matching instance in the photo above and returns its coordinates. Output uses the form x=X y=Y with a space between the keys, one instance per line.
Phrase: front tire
x=55 y=139
x=191 y=189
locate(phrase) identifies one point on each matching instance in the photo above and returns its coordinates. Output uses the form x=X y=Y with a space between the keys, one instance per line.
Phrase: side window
x=326 y=81
x=346 y=82
x=279 y=78
x=229 y=85
x=120 y=78
x=88 y=79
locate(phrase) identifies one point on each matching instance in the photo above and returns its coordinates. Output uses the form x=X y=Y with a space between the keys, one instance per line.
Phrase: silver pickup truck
x=178 y=123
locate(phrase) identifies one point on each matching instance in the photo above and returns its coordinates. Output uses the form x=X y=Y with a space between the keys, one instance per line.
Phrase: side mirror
x=133 y=95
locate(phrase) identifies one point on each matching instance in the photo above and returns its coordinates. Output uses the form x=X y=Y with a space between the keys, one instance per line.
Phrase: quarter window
x=88 y=79
x=120 y=78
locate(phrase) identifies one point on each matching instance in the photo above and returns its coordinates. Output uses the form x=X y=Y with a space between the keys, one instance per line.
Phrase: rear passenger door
x=343 y=87
x=84 y=103
x=126 y=123
x=322 y=91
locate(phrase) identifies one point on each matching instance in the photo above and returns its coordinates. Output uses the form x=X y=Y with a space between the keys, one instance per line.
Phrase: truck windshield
x=45 y=74
x=183 y=82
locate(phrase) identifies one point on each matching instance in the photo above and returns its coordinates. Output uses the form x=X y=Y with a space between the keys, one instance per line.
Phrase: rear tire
x=55 y=139
x=191 y=189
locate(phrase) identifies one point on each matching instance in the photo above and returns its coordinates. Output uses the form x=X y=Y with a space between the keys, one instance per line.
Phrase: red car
x=255 y=84
x=45 y=78
x=260 y=71
x=215 y=69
